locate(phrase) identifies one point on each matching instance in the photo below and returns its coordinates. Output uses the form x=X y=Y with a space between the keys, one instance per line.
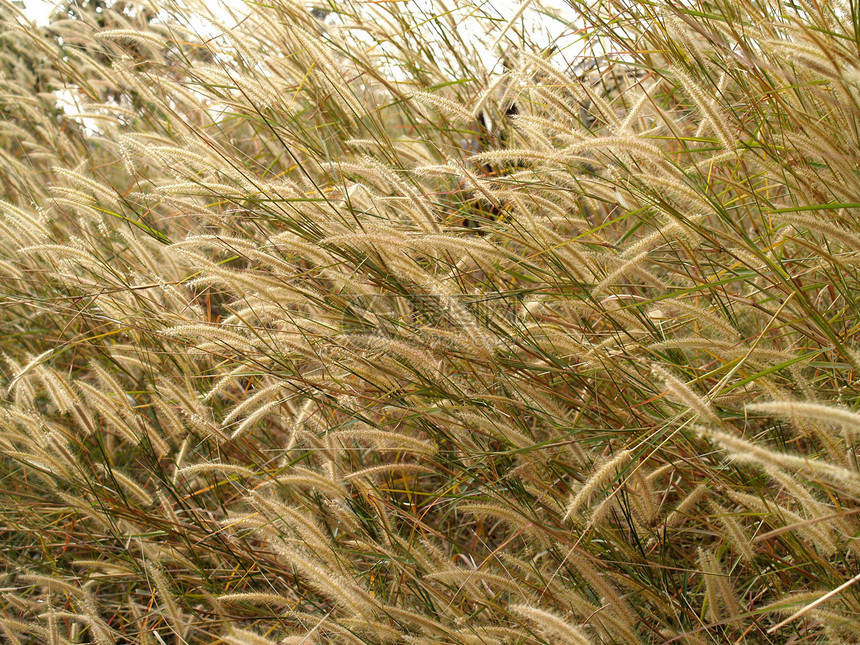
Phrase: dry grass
x=308 y=337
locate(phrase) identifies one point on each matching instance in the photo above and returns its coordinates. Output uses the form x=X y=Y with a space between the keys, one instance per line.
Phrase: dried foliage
x=317 y=328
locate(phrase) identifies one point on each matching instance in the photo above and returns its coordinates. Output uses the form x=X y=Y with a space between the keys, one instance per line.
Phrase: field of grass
x=348 y=324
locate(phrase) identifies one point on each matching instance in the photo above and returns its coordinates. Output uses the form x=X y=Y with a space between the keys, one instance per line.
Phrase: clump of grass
x=319 y=328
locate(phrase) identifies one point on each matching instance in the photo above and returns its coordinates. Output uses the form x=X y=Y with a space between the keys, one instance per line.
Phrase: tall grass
x=328 y=331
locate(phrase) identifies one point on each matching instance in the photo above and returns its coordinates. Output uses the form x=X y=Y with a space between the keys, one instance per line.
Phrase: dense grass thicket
x=320 y=324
